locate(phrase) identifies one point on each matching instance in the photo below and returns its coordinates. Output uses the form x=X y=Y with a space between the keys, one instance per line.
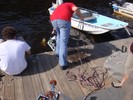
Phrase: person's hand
x=53 y=32
x=78 y=12
x=55 y=5
x=81 y=18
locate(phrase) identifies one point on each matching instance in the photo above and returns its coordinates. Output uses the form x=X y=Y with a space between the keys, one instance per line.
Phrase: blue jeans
x=62 y=28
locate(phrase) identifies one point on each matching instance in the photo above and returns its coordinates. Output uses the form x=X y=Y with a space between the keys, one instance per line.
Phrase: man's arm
x=28 y=53
x=77 y=11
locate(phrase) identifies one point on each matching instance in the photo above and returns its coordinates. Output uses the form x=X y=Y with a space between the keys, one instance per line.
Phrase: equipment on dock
x=52 y=42
x=50 y=95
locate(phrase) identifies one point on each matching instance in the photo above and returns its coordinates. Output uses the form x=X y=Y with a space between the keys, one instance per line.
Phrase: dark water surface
x=33 y=27
x=31 y=19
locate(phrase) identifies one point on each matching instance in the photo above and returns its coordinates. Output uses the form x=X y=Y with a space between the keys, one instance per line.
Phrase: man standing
x=12 y=52
x=61 y=21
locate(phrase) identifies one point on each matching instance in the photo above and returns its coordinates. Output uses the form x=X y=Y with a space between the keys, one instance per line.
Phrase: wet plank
x=42 y=73
x=8 y=88
x=18 y=87
x=29 y=92
x=65 y=86
x=73 y=84
x=35 y=78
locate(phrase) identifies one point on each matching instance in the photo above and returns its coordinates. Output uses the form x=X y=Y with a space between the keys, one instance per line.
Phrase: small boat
x=125 y=10
x=93 y=22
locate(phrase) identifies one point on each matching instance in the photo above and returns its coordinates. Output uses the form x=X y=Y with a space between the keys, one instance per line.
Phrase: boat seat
x=88 y=16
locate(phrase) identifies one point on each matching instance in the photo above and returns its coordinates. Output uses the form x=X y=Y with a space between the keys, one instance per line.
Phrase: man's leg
x=64 y=36
x=128 y=67
x=55 y=25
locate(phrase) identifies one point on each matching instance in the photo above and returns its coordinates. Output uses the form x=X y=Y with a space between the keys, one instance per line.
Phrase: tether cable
x=96 y=79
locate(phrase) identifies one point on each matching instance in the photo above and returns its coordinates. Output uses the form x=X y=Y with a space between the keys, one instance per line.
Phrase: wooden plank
x=76 y=86
x=62 y=81
x=105 y=50
x=83 y=59
x=18 y=88
x=121 y=42
x=35 y=78
x=100 y=53
x=29 y=92
x=42 y=73
x=86 y=89
x=50 y=67
x=1 y=86
x=8 y=88
x=50 y=71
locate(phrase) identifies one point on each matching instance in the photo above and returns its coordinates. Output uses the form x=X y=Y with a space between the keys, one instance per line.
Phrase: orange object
x=49 y=94
x=53 y=82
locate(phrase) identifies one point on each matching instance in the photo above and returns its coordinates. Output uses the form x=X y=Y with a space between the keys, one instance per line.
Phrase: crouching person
x=13 y=52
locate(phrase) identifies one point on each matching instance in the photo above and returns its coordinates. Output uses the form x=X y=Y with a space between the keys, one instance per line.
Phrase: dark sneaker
x=63 y=67
x=57 y=56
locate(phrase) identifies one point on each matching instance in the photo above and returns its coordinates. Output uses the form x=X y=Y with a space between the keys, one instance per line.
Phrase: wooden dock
x=44 y=67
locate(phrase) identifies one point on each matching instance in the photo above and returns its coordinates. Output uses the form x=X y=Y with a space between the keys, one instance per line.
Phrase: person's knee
x=1 y=40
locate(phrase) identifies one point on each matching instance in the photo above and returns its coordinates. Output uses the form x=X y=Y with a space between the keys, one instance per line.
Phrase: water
x=32 y=26
x=31 y=19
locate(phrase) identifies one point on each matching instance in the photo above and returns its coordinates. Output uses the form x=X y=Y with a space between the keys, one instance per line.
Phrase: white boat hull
x=99 y=25
x=91 y=29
